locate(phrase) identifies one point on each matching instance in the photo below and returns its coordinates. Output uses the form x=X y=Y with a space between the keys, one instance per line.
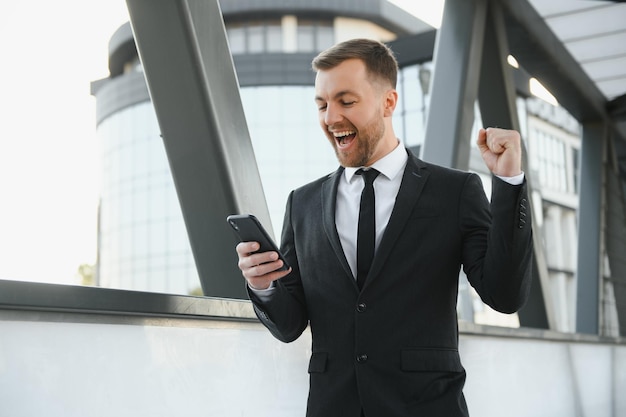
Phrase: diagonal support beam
x=498 y=108
x=193 y=86
x=617 y=108
x=455 y=83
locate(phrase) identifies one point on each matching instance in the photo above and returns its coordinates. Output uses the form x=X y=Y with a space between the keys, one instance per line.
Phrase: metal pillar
x=454 y=91
x=455 y=83
x=497 y=100
x=496 y=92
x=192 y=82
x=588 y=275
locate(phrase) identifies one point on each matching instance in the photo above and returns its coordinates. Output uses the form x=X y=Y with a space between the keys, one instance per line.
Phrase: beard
x=367 y=139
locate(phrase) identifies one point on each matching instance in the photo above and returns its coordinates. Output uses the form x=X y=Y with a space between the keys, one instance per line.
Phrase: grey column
x=190 y=75
x=458 y=49
x=498 y=108
x=496 y=92
x=588 y=277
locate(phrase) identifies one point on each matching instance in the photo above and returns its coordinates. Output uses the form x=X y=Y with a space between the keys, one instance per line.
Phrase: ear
x=391 y=99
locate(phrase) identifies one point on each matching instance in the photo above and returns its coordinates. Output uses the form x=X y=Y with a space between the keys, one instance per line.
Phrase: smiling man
x=356 y=115
x=376 y=248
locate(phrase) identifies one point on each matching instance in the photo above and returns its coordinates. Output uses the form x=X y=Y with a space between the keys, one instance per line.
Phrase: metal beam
x=614 y=239
x=617 y=108
x=414 y=49
x=588 y=272
x=496 y=92
x=189 y=71
x=498 y=108
x=544 y=56
x=458 y=48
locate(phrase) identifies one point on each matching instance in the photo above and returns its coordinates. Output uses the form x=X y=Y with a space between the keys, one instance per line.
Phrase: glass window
x=306 y=37
x=256 y=39
x=274 y=38
x=549 y=159
x=324 y=37
x=141 y=230
x=236 y=39
x=410 y=114
x=315 y=35
x=575 y=167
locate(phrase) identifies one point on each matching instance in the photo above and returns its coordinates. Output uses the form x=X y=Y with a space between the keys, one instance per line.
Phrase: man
x=385 y=335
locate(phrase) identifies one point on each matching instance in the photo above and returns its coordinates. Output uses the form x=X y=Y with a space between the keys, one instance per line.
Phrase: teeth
x=344 y=133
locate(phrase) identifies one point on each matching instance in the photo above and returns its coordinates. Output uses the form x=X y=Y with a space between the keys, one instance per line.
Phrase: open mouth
x=344 y=138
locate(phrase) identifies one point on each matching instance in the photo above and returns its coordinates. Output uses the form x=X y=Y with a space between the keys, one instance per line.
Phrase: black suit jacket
x=391 y=349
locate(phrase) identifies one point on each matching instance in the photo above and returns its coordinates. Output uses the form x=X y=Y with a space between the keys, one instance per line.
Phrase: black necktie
x=366 y=239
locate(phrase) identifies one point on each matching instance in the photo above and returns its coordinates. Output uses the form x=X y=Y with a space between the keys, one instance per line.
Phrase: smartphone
x=249 y=229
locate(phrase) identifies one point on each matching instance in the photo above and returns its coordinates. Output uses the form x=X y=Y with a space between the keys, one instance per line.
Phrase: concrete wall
x=90 y=365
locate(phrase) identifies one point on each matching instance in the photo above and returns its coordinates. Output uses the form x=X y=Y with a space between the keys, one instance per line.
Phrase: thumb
x=482 y=140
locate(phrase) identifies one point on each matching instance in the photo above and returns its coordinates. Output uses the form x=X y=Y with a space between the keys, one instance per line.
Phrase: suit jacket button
x=361 y=307
x=362 y=358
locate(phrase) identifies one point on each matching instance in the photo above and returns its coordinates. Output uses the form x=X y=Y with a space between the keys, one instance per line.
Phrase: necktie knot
x=369 y=175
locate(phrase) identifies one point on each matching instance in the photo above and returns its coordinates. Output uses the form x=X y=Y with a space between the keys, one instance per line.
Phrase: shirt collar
x=389 y=165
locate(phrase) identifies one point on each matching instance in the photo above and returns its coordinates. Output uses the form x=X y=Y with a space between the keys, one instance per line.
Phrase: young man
x=384 y=324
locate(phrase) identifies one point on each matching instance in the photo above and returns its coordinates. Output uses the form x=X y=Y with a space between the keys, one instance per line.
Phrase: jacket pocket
x=317 y=363
x=431 y=360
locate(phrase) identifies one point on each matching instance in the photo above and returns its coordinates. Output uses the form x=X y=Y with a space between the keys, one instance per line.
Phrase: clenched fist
x=501 y=150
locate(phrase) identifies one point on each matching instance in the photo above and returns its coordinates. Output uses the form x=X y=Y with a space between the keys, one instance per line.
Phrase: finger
x=499 y=140
x=246 y=248
x=261 y=270
x=496 y=142
x=252 y=260
x=261 y=283
x=481 y=141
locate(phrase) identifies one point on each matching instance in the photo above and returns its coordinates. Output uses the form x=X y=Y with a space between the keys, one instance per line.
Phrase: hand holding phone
x=249 y=229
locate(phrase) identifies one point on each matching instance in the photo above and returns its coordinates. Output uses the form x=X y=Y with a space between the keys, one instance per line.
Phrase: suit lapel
x=413 y=181
x=329 y=198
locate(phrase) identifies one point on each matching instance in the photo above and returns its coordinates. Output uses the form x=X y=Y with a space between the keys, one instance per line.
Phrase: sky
x=49 y=174
x=49 y=161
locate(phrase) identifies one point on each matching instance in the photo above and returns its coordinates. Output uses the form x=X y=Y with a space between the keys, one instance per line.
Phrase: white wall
x=66 y=365
x=535 y=378
x=165 y=368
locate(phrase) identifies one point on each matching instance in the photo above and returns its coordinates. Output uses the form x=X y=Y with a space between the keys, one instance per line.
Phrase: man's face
x=351 y=113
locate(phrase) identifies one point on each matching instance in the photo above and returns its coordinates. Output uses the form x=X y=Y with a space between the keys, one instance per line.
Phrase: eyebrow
x=336 y=96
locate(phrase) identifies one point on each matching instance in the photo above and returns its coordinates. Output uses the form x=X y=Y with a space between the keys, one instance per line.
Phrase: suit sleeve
x=497 y=243
x=284 y=313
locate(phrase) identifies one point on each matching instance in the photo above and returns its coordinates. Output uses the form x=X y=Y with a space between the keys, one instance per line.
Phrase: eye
x=347 y=103
x=321 y=107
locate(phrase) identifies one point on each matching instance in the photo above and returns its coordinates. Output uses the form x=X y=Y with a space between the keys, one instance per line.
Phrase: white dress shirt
x=386 y=186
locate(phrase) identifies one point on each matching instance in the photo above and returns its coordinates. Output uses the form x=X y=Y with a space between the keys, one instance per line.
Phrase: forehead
x=349 y=76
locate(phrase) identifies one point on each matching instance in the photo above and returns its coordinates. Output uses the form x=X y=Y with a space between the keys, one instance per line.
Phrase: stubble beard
x=368 y=140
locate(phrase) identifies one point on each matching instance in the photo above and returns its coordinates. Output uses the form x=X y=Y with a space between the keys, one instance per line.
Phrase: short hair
x=378 y=58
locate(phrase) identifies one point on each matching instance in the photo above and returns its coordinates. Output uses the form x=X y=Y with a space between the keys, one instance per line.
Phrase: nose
x=332 y=115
